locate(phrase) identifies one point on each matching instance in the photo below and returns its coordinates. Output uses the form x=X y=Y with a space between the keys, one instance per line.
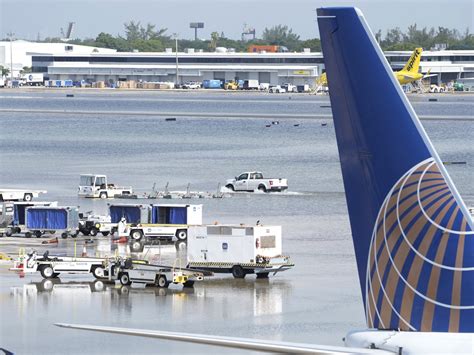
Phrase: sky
x=28 y=19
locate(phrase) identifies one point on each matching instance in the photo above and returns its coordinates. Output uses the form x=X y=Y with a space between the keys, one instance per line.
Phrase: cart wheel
x=38 y=234
x=74 y=235
x=125 y=279
x=52 y=232
x=136 y=234
x=188 y=283
x=28 y=235
x=64 y=235
x=182 y=234
x=105 y=234
x=27 y=197
x=98 y=272
x=47 y=272
x=85 y=231
x=238 y=272
x=8 y=232
x=262 y=275
x=103 y=195
x=93 y=232
x=162 y=282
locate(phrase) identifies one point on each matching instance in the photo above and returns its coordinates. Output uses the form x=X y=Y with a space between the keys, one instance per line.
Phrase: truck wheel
x=103 y=195
x=262 y=275
x=125 y=279
x=64 y=235
x=189 y=284
x=28 y=235
x=136 y=234
x=161 y=282
x=47 y=272
x=28 y=197
x=182 y=234
x=262 y=188
x=105 y=234
x=98 y=272
x=238 y=272
x=93 y=232
x=230 y=187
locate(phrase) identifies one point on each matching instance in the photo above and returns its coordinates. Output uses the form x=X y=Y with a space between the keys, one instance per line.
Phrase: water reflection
x=264 y=296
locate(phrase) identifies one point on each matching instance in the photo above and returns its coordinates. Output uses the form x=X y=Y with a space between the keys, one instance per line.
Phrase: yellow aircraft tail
x=413 y=63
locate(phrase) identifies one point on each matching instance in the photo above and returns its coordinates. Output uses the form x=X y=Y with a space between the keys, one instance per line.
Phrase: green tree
x=281 y=35
x=4 y=71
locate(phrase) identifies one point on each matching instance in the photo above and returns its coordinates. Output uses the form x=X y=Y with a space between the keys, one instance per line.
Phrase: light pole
x=11 y=34
x=177 y=67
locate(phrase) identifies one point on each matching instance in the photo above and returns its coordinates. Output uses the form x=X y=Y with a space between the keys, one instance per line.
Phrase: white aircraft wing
x=235 y=343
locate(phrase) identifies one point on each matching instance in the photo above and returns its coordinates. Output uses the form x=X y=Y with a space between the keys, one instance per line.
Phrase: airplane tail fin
x=413 y=236
x=413 y=63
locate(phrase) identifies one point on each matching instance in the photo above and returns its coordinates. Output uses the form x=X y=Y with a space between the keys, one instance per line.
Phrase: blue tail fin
x=412 y=234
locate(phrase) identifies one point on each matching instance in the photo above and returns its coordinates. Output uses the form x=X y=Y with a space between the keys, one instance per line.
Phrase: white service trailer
x=19 y=194
x=237 y=249
x=52 y=266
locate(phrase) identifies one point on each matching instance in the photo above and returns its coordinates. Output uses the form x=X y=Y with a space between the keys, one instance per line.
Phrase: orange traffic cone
x=84 y=251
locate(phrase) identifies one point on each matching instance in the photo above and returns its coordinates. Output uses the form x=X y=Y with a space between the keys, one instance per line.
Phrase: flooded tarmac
x=318 y=301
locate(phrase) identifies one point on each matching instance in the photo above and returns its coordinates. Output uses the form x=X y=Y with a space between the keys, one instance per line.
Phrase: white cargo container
x=237 y=249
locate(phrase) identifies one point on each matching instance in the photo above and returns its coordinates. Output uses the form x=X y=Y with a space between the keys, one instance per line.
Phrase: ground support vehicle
x=277 y=90
x=50 y=266
x=92 y=224
x=231 y=85
x=251 y=84
x=129 y=271
x=96 y=186
x=19 y=194
x=42 y=219
x=163 y=221
x=33 y=79
x=254 y=180
x=191 y=85
x=237 y=249
x=6 y=218
x=289 y=87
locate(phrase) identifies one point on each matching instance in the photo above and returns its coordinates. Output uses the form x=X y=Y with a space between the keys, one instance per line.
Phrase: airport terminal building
x=273 y=68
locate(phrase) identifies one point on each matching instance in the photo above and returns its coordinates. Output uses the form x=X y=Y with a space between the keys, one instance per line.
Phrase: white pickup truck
x=254 y=180
x=96 y=186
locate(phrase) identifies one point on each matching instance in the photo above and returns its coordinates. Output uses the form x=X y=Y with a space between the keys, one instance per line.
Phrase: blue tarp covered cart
x=133 y=214
x=52 y=219
x=169 y=214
